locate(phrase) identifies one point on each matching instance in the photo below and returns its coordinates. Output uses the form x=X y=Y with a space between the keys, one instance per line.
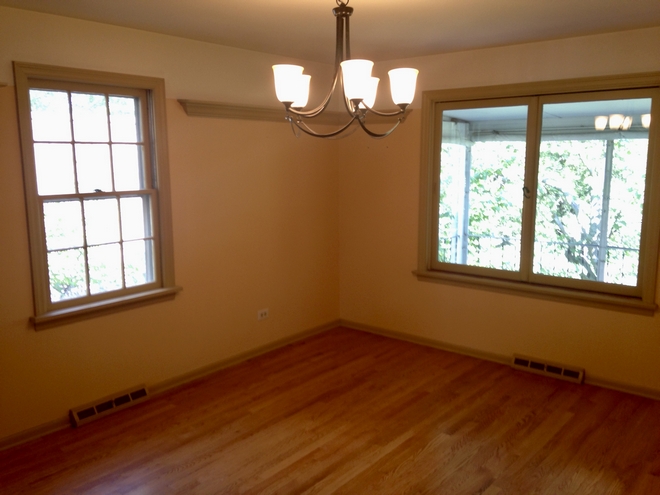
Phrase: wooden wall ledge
x=195 y=108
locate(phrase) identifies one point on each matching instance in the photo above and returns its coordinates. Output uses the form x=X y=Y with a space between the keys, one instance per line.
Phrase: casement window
x=549 y=189
x=97 y=190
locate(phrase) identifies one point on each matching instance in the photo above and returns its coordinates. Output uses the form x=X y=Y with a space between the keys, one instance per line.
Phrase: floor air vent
x=540 y=367
x=107 y=405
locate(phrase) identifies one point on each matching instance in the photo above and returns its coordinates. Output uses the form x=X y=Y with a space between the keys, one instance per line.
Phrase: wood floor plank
x=347 y=412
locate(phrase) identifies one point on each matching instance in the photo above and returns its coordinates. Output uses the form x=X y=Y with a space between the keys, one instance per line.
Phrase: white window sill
x=594 y=299
x=69 y=315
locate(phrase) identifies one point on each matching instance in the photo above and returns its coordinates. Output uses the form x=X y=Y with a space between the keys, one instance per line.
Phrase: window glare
x=127 y=165
x=93 y=167
x=64 y=224
x=66 y=270
x=54 y=168
x=105 y=272
x=135 y=219
x=101 y=221
x=50 y=115
x=124 y=119
x=138 y=264
x=90 y=117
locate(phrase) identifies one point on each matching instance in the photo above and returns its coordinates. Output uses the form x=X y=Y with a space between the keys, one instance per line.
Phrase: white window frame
x=640 y=298
x=47 y=313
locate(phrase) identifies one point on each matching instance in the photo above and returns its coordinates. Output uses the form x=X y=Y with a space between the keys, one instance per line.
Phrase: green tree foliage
x=571 y=207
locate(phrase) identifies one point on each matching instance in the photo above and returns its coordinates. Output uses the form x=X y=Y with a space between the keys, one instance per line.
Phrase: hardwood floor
x=349 y=412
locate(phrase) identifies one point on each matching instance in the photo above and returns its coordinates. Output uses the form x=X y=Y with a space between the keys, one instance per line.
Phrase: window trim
x=643 y=302
x=25 y=74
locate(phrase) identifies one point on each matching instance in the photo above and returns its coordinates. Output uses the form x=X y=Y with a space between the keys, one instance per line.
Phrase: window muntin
x=97 y=190
x=620 y=280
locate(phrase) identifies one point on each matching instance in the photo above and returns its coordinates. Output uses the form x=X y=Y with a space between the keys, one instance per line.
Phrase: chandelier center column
x=343 y=38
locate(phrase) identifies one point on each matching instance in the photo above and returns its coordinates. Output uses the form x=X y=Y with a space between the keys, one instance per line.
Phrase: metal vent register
x=545 y=368
x=107 y=405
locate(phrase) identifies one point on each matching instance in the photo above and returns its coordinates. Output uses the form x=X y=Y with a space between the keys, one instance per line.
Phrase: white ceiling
x=380 y=29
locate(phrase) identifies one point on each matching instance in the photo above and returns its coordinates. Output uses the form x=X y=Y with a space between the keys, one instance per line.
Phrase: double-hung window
x=548 y=188
x=96 y=181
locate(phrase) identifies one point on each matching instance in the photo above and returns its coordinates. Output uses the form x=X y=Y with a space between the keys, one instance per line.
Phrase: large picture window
x=95 y=170
x=544 y=188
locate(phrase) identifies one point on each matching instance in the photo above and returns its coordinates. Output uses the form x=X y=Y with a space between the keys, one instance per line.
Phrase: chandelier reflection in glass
x=354 y=77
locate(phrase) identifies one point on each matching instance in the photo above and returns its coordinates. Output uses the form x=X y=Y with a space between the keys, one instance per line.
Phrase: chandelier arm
x=307 y=130
x=386 y=114
x=348 y=104
x=375 y=134
x=319 y=109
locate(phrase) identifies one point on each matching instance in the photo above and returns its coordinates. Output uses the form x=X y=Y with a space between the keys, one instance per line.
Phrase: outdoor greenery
x=575 y=223
x=573 y=207
x=495 y=204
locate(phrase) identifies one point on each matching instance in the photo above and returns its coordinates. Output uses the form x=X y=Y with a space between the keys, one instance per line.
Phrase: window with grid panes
x=96 y=186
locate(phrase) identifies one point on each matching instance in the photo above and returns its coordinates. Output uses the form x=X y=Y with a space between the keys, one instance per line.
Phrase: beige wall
x=255 y=222
x=313 y=230
x=606 y=54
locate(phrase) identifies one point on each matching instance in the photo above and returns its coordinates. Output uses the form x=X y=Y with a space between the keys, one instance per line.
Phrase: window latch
x=526 y=192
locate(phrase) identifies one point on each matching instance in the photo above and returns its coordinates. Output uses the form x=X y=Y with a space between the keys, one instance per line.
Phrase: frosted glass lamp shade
x=600 y=122
x=646 y=120
x=370 y=99
x=402 y=85
x=616 y=121
x=288 y=83
x=302 y=93
x=627 y=122
x=357 y=78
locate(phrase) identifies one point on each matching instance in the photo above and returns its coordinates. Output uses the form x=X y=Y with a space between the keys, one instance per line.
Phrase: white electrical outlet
x=262 y=314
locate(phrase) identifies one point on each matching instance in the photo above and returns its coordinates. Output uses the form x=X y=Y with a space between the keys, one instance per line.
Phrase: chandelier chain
x=342 y=3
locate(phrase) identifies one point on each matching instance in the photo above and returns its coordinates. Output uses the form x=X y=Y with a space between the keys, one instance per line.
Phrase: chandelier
x=618 y=122
x=354 y=77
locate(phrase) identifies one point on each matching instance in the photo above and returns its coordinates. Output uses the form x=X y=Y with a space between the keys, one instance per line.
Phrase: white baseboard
x=158 y=388
x=436 y=344
x=498 y=358
x=161 y=387
x=35 y=432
